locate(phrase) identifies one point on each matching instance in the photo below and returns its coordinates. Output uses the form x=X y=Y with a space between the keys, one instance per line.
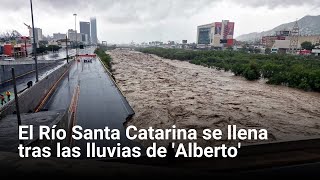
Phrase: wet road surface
x=22 y=82
x=100 y=103
x=43 y=72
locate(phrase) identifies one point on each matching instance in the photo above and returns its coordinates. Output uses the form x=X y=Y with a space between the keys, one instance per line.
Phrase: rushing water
x=166 y=92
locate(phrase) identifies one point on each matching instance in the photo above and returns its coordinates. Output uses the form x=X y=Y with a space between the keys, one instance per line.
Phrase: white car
x=9 y=59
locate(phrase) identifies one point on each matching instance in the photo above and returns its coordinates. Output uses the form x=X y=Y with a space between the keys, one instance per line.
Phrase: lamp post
x=75 y=29
x=16 y=99
x=67 y=49
x=34 y=44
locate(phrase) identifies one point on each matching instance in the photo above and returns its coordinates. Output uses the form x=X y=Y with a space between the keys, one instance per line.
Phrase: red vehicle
x=304 y=52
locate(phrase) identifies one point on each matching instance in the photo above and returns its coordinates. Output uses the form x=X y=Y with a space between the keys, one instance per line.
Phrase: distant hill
x=309 y=25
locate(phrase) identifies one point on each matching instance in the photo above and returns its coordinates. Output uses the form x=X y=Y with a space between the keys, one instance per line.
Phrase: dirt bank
x=165 y=92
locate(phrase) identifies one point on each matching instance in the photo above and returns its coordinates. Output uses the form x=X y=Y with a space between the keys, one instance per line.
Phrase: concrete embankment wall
x=31 y=98
x=61 y=122
x=21 y=69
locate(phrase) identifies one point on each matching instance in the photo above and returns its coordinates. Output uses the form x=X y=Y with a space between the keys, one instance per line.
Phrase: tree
x=252 y=72
x=307 y=45
x=268 y=50
x=257 y=51
x=230 y=48
x=53 y=48
x=41 y=49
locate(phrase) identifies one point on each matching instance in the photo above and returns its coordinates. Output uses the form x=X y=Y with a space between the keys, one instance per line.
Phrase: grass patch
x=105 y=58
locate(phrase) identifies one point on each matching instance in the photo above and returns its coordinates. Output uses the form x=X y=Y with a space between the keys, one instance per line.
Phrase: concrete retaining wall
x=61 y=122
x=20 y=69
x=31 y=98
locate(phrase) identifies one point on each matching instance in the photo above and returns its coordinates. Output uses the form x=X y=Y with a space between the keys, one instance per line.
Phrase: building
x=217 y=34
x=84 y=38
x=93 y=31
x=38 y=34
x=268 y=41
x=58 y=36
x=314 y=39
x=85 y=30
x=205 y=34
x=73 y=36
x=16 y=50
x=281 y=46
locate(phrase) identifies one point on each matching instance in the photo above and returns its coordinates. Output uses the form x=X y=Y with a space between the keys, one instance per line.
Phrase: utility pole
x=16 y=99
x=75 y=29
x=34 y=44
x=25 y=46
x=67 y=49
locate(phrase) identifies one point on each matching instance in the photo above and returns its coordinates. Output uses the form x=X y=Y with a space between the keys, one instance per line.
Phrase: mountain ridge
x=309 y=25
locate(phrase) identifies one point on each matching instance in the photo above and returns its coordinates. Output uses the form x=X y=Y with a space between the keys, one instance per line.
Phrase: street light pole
x=34 y=44
x=67 y=49
x=75 y=29
x=16 y=99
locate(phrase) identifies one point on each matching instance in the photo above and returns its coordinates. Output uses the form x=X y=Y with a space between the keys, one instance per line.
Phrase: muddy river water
x=169 y=92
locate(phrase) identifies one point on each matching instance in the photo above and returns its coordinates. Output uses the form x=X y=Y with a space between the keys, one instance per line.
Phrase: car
x=9 y=59
x=3 y=56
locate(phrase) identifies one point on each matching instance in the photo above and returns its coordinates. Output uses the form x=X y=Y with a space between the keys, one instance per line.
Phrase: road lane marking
x=44 y=100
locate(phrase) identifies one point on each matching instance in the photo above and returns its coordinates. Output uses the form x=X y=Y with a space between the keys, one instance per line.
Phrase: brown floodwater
x=169 y=92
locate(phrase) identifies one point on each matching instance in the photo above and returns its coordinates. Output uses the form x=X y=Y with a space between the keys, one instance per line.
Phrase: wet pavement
x=43 y=72
x=100 y=102
x=57 y=55
x=22 y=82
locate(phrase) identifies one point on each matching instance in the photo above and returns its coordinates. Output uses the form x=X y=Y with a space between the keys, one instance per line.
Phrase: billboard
x=230 y=28
x=217 y=28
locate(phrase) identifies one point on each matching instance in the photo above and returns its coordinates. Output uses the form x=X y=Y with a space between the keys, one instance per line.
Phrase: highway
x=22 y=82
x=100 y=103
x=58 y=55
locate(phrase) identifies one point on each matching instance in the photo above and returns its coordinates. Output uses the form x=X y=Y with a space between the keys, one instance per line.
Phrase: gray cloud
x=121 y=20
x=115 y=11
x=127 y=11
x=136 y=11
x=277 y=3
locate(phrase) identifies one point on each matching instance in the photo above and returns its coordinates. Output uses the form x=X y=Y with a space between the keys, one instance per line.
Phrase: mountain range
x=309 y=25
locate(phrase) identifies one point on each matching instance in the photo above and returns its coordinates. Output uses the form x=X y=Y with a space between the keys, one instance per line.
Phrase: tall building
x=205 y=34
x=85 y=29
x=72 y=35
x=94 y=38
x=58 y=36
x=217 y=34
x=38 y=34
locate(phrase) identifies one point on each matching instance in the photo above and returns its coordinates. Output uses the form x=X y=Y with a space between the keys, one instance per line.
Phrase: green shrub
x=294 y=71
x=105 y=58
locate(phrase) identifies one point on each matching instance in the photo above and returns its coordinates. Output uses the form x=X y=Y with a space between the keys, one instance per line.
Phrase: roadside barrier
x=72 y=111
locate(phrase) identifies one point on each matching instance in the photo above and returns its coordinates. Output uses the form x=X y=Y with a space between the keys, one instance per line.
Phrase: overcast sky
x=123 y=21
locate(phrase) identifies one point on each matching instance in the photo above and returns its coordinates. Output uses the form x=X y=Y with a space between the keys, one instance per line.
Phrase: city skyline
x=85 y=30
x=125 y=21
